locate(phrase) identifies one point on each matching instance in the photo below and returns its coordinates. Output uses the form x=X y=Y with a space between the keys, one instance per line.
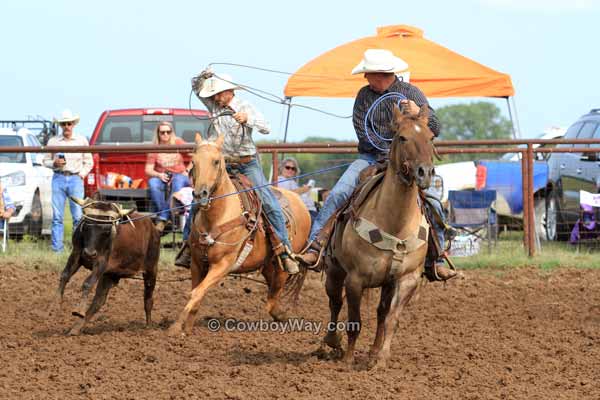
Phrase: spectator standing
x=70 y=169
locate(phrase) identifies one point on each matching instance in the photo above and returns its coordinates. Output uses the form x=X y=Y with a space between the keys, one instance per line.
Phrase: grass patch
x=509 y=253
x=37 y=254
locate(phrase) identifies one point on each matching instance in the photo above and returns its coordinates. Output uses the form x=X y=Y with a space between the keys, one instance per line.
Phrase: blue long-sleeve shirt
x=8 y=203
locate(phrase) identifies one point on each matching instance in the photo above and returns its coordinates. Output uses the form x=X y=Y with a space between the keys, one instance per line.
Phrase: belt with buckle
x=66 y=173
x=238 y=160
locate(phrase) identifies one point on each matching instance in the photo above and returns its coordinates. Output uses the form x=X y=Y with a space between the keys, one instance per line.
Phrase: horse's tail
x=294 y=284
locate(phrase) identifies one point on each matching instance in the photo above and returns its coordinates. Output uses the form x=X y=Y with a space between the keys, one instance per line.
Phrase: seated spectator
x=586 y=226
x=167 y=172
x=7 y=207
x=289 y=168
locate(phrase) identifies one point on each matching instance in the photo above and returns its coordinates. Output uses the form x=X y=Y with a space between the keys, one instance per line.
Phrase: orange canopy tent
x=436 y=70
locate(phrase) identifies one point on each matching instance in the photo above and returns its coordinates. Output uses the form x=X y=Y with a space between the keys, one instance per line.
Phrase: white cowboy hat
x=380 y=60
x=67 y=116
x=216 y=84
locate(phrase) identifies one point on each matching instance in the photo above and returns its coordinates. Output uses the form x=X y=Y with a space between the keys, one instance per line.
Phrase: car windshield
x=138 y=129
x=11 y=141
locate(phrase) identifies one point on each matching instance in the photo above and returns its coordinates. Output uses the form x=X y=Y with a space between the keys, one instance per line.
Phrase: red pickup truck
x=134 y=126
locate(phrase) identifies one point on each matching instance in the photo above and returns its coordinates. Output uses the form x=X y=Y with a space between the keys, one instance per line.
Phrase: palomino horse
x=219 y=232
x=384 y=241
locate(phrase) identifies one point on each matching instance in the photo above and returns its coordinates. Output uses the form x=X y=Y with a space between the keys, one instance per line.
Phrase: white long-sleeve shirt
x=76 y=163
x=238 y=138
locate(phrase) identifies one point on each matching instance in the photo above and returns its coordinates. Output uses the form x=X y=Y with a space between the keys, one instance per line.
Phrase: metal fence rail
x=525 y=147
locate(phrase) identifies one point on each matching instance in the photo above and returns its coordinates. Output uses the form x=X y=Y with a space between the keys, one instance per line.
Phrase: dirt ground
x=521 y=334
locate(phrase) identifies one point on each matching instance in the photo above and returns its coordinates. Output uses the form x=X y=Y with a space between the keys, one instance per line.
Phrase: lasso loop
x=368 y=123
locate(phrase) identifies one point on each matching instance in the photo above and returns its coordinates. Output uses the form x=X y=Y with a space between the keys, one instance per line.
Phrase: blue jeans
x=254 y=173
x=341 y=192
x=63 y=186
x=158 y=195
x=433 y=205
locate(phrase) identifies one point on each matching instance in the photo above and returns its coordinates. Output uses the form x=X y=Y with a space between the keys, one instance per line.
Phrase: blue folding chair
x=471 y=213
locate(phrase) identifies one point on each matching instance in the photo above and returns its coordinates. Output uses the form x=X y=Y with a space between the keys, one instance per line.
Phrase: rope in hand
x=368 y=122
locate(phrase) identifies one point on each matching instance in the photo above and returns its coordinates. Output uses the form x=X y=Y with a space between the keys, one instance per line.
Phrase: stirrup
x=443 y=277
x=313 y=247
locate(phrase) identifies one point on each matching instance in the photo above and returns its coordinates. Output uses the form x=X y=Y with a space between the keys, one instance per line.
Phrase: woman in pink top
x=167 y=172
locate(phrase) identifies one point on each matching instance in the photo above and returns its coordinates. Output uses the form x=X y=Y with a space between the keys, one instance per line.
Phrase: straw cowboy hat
x=67 y=116
x=380 y=60
x=217 y=84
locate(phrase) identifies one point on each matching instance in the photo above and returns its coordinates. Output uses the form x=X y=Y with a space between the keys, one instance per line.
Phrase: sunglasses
x=165 y=132
x=290 y=167
x=66 y=124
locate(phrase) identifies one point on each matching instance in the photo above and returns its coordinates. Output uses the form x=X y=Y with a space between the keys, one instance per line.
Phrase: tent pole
x=516 y=117
x=288 y=101
x=512 y=121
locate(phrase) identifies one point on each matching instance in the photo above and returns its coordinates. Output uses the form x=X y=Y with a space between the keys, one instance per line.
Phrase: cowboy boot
x=311 y=255
x=184 y=257
x=289 y=265
x=444 y=273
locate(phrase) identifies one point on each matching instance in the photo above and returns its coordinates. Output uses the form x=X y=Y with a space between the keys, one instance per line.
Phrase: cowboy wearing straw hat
x=385 y=73
x=236 y=119
x=70 y=169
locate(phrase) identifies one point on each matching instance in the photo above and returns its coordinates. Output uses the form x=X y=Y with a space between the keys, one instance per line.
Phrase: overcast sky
x=117 y=54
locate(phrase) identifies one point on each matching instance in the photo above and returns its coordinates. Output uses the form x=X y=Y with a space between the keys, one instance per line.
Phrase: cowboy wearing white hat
x=385 y=73
x=69 y=171
x=67 y=116
x=216 y=84
x=383 y=61
x=236 y=119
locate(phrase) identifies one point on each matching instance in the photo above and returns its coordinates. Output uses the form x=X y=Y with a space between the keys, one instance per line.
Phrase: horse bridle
x=404 y=170
x=212 y=189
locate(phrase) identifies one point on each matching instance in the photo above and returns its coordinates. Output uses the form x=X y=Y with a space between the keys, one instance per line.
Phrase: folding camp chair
x=471 y=213
x=587 y=228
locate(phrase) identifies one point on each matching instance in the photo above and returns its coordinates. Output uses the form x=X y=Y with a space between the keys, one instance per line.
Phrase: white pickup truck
x=28 y=183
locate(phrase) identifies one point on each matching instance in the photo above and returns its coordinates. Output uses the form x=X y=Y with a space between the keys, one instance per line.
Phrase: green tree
x=477 y=120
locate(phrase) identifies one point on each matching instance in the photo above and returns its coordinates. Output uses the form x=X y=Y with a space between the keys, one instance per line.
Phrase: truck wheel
x=540 y=219
x=35 y=218
x=555 y=228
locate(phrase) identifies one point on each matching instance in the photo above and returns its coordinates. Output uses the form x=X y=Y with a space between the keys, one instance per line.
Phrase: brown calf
x=112 y=247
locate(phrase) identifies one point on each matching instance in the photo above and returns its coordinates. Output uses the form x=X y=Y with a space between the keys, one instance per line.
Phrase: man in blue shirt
x=7 y=207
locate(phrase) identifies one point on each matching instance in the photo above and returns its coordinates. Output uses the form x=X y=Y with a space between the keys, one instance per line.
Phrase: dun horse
x=220 y=230
x=384 y=241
